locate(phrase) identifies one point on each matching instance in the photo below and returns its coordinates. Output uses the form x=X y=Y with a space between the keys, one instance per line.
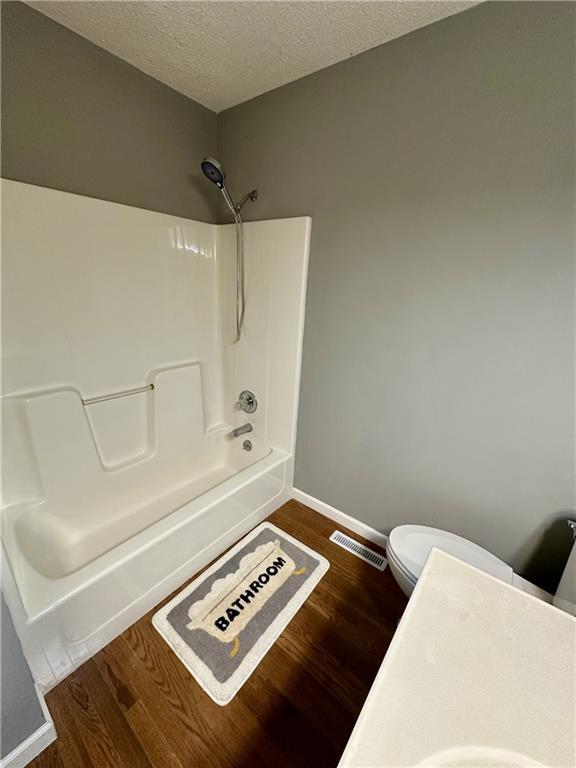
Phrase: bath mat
x=226 y=620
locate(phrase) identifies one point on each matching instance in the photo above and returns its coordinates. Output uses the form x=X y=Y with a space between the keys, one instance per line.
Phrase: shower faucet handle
x=247 y=401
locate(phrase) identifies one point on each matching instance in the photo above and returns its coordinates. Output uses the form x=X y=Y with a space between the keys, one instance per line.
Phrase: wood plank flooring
x=134 y=705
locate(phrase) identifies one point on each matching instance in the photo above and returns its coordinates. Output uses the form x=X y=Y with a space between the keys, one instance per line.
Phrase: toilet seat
x=410 y=545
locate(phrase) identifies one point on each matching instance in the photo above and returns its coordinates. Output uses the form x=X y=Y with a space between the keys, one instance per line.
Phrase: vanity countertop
x=478 y=674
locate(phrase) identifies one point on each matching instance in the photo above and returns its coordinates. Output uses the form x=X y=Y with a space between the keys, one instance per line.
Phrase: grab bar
x=114 y=395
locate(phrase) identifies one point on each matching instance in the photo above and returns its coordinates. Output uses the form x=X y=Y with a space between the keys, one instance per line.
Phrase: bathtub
x=64 y=621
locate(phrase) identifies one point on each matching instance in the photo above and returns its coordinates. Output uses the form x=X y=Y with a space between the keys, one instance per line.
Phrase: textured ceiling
x=221 y=53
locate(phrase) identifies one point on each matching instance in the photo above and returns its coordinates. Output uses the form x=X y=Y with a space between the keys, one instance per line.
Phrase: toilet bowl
x=409 y=546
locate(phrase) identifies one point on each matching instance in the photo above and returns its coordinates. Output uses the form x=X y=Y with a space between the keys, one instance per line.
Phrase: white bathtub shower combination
x=120 y=477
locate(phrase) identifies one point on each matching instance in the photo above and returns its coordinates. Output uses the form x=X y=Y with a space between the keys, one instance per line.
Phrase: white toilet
x=409 y=546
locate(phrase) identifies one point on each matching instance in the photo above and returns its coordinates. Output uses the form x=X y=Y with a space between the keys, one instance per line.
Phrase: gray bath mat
x=223 y=623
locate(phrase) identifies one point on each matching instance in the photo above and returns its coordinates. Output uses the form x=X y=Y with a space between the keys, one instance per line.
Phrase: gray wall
x=78 y=119
x=438 y=370
x=21 y=712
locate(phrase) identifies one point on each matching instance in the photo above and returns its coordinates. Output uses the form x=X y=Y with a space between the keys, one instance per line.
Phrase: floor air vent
x=378 y=561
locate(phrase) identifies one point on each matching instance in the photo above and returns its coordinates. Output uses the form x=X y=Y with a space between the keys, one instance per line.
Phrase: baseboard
x=357 y=526
x=35 y=743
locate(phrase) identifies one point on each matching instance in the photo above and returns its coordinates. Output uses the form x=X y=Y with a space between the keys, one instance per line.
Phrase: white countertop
x=478 y=674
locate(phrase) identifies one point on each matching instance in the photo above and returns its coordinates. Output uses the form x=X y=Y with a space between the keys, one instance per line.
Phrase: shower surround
x=120 y=382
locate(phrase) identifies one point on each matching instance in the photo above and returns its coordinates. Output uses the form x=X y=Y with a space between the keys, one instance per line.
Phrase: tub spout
x=243 y=430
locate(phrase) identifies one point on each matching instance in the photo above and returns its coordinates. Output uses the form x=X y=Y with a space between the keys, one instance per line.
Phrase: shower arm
x=236 y=208
x=252 y=196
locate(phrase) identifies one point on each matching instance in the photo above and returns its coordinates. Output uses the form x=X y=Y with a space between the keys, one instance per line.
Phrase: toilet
x=409 y=546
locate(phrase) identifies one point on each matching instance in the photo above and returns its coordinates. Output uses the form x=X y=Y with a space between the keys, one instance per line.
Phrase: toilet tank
x=565 y=597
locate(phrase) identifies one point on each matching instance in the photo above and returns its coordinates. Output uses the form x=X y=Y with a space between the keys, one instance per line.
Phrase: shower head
x=215 y=173
x=213 y=170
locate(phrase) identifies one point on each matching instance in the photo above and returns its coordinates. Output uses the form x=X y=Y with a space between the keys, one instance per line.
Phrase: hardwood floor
x=134 y=705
